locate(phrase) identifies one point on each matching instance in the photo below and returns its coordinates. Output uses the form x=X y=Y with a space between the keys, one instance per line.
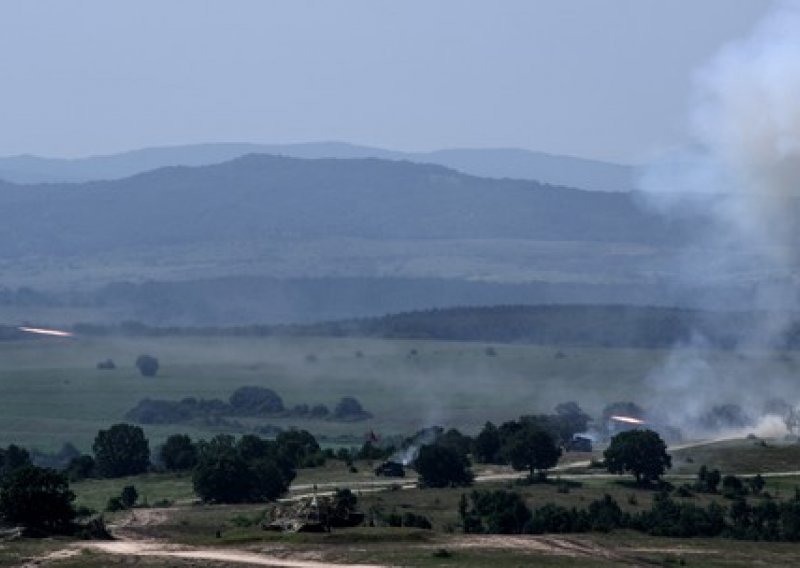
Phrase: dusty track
x=129 y=543
x=228 y=556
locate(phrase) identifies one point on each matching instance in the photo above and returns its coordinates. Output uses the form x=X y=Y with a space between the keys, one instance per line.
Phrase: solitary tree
x=533 y=450
x=640 y=452
x=38 y=499
x=147 y=365
x=121 y=450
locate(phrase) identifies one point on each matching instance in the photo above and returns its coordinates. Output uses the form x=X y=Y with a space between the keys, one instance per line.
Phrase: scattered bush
x=494 y=512
x=107 y=365
x=129 y=496
x=39 y=499
x=147 y=365
x=256 y=400
x=416 y=521
x=707 y=480
x=349 y=409
x=733 y=487
x=319 y=411
x=115 y=504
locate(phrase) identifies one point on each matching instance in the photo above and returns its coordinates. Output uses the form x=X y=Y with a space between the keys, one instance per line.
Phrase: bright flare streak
x=627 y=419
x=42 y=331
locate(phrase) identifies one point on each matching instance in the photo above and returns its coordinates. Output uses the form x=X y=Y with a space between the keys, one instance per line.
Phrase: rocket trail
x=43 y=331
x=627 y=419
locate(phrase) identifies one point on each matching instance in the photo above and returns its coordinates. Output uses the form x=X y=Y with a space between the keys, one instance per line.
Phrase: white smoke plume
x=746 y=124
x=743 y=175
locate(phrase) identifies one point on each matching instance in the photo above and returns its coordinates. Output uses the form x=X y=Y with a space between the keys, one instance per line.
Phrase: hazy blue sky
x=606 y=79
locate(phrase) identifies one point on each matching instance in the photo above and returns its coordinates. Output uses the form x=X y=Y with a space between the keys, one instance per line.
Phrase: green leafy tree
x=486 y=446
x=179 y=453
x=438 y=466
x=640 y=452
x=38 y=499
x=456 y=441
x=221 y=474
x=533 y=450
x=13 y=458
x=231 y=473
x=300 y=448
x=121 y=450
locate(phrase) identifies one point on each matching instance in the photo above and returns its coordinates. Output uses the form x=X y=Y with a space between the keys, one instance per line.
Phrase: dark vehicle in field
x=390 y=469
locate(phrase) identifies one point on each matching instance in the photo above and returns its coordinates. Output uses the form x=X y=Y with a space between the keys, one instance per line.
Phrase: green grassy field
x=238 y=525
x=191 y=524
x=742 y=456
x=52 y=393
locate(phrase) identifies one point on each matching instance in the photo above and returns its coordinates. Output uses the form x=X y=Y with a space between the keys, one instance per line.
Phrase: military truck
x=390 y=469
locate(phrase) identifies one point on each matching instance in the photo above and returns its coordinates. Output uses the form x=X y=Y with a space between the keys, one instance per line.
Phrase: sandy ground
x=232 y=556
x=128 y=544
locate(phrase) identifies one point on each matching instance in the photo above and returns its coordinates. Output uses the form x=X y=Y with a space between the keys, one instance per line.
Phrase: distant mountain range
x=496 y=163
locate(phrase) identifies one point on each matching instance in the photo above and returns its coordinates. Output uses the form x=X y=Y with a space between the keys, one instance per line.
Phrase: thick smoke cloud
x=742 y=176
x=745 y=167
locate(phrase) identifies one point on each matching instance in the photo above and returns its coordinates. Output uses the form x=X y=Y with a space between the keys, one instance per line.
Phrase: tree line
x=245 y=401
x=224 y=470
x=563 y=325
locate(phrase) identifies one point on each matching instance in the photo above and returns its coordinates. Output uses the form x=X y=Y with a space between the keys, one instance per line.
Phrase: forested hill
x=603 y=326
x=565 y=325
x=261 y=198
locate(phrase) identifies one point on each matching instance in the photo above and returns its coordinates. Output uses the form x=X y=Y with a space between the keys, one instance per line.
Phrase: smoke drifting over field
x=745 y=172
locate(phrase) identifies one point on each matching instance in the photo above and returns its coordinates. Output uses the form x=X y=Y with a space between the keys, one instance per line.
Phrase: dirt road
x=228 y=556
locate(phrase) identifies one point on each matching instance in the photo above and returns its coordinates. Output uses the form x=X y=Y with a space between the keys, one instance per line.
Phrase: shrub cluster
x=496 y=445
x=246 y=401
x=505 y=512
